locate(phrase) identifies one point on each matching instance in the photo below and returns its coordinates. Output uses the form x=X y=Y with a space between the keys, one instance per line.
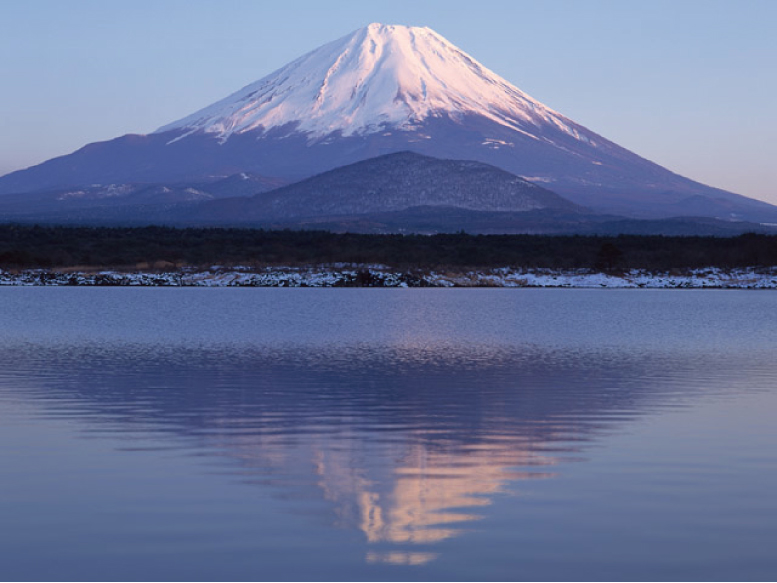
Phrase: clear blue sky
x=690 y=84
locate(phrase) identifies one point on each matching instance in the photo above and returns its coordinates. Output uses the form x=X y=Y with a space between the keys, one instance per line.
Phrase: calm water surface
x=237 y=434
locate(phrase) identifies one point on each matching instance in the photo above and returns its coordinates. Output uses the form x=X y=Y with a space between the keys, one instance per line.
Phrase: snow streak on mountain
x=378 y=77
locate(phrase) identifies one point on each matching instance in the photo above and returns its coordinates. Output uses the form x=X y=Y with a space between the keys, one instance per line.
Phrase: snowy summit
x=378 y=77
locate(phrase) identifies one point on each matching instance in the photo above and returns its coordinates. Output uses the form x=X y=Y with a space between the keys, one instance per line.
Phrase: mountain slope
x=386 y=89
x=404 y=180
x=389 y=183
x=126 y=198
x=395 y=193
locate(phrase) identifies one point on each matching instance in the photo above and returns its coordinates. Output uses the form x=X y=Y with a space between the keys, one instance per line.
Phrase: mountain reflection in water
x=406 y=443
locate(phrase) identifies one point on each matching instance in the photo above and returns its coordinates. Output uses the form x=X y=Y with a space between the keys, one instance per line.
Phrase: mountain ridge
x=401 y=180
x=402 y=192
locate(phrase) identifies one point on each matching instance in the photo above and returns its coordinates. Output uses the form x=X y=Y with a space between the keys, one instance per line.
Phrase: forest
x=47 y=247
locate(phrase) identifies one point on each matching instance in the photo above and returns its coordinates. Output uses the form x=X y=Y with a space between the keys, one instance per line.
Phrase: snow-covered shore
x=381 y=276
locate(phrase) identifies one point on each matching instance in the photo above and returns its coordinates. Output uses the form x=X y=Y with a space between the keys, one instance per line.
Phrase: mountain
x=390 y=183
x=385 y=89
x=116 y=200
x=395 y=193
x=401 y=182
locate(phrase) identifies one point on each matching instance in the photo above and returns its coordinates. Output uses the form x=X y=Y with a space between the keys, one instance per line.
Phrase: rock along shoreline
x=382 y=276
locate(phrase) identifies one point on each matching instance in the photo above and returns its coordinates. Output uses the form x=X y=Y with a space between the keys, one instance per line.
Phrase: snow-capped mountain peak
x=381 y=90
x=378 y=77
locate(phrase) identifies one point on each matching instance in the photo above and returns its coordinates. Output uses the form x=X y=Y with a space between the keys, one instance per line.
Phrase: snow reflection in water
x=405 y=442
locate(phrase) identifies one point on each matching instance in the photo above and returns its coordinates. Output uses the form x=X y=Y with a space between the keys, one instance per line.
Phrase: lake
x=369 y=434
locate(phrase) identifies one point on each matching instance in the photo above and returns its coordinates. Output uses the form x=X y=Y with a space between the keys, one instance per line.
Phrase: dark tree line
x=24 y=246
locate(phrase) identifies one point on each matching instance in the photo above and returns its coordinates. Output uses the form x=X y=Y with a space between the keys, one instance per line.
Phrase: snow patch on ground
x=340 y=275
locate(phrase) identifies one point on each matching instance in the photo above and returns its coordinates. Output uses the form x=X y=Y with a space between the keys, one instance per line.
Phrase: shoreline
x=382 y=276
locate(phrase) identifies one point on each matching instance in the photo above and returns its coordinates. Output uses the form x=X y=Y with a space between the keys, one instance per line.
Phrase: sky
x=689 y=84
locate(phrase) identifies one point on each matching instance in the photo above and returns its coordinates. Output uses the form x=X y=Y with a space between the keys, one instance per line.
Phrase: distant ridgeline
x=169 y=248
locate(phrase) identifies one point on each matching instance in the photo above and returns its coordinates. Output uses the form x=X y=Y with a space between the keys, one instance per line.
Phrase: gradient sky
x=689 y=84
